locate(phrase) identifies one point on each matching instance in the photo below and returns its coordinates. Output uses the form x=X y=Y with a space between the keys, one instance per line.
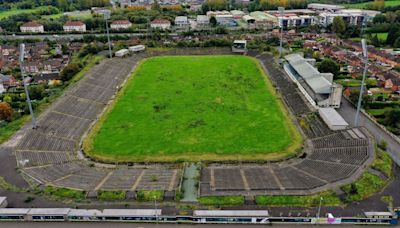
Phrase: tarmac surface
x=348 y=112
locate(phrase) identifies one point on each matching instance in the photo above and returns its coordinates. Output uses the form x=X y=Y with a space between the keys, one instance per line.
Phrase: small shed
x=137 y=48
x=239 y=46
x=333 y=119
x=122 y=53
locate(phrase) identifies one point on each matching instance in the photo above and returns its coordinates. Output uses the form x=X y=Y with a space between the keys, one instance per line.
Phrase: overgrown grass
x=221 y=200
x=150 y=195
x=111 y=195
x=383 y=163
x=10 y=187
x=65 y=193
x=195 y=108
x=329 y=198
x=364 y=187
x=9 y=129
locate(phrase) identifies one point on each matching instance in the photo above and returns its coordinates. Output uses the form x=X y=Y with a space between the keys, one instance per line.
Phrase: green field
x=14 y=11
x=195 y=108
x=364 y=5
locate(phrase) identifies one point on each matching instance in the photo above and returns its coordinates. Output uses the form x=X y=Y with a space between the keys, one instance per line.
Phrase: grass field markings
x=296 y=143
x=245 y=183
x=101 y=183
x=212 y=178
x=137 y=182
x=311 y=175
x=278 y=182
x=172 y=182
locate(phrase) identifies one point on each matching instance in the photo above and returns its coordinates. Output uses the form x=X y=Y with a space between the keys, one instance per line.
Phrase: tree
x=378 y=4
x=6 y=112
x=392 y=117
x=155 y=5
x=213 y=21
x=338 y=25
x=375 y=41
x=379 y=18
x=329 y=66
x=69 y=71
x=36 y=92
x=393 y=35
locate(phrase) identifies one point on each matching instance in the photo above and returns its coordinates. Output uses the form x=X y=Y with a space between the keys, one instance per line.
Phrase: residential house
x=31 y=67
x=52 y=65
x=121 y=24
x=181 y=21
x=202 y=20
x=160 y=24
x=74 y=26
x=32 y=27
x=8 y=81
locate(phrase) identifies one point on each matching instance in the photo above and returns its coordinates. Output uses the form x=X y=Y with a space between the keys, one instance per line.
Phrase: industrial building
x=317 y=87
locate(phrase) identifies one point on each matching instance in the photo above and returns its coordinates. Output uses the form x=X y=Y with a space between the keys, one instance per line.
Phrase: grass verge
x=111 y=195
x=221 y=200
x=364 y=187
x=383 y=163
x=65 y=193
x=150 y=195
x=329 y=198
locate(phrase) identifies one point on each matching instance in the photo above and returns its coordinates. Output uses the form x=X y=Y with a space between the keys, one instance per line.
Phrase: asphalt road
x=348 y=112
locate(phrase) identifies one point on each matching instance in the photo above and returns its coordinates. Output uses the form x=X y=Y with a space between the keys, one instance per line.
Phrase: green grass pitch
x=195 y=108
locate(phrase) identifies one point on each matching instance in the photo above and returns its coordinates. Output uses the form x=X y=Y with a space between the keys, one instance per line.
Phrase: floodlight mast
x=282 y=11
x=107 y=15
x=28 y=100
x=365 y=55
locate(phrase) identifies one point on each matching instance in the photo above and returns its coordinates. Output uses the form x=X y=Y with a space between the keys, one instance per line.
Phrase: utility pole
x=155 y=206
x=28 y=99
x=107 y=15
x=365 y=54
x=319 y=209
x=281 y=11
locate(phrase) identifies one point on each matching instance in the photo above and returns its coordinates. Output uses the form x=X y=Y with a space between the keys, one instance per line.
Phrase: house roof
x=32 y=24
x=74 y=23
x=161 y=21
x=121 y=22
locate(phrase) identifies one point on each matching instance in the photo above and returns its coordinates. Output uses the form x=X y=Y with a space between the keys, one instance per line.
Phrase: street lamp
x=319 y=209
x=155 y=206
x=365 y=55
x=28 y=100
x=107 y=15
x=281 y=11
